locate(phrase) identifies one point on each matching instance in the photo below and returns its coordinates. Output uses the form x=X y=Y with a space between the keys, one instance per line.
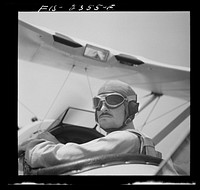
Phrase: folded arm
x=44 y=153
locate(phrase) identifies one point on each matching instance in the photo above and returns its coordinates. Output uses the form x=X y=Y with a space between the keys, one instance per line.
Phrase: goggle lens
x=112 y=100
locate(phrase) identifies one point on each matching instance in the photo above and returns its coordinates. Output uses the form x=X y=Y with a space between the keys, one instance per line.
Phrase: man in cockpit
x=115 y=108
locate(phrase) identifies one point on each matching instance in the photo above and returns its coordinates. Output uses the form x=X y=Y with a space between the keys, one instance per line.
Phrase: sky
x=160 y=36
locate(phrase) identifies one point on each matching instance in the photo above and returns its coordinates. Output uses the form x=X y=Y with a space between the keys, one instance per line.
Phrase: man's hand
x=44 y=135
x=47 y=136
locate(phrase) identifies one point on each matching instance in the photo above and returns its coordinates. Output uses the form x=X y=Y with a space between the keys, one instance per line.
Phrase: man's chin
x=107 y=128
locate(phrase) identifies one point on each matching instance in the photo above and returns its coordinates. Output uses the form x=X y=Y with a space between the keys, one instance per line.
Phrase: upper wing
x=46 y=47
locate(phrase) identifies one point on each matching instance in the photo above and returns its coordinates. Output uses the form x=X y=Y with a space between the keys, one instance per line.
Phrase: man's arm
x=44 y=153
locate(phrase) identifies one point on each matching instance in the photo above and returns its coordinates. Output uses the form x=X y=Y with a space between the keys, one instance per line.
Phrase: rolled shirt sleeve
x=44 y=153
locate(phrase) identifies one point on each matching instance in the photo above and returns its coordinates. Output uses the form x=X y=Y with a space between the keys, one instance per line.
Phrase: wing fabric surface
x=53 y=49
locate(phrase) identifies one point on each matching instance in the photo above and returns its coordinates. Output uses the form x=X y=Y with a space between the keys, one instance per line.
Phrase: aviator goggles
x=112 y=100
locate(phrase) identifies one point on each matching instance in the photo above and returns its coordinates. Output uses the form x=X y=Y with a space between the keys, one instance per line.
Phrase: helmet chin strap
x=128 y=120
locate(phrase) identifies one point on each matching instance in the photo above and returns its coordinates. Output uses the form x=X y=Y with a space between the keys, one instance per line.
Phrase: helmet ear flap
x=132 y=110
x=133 y=107
x=96 y=119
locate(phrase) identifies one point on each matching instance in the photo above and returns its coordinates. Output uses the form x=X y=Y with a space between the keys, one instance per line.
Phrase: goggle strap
x=132 y=98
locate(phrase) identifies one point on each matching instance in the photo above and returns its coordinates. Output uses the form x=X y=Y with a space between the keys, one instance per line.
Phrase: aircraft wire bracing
x=150 y=113
x=54 y=100
x=171 y=110
x=34 y=118
x=160 y=116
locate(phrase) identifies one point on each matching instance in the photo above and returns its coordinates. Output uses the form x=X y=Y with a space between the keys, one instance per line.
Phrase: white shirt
x=45 y=153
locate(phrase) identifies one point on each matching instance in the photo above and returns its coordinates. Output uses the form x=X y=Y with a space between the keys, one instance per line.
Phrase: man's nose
x=104 y=107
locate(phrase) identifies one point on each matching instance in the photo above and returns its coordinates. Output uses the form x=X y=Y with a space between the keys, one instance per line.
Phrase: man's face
x=111 y=117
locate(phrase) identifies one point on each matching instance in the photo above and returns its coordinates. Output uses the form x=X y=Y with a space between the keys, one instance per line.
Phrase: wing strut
x=173 y=153
x=172 y=125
